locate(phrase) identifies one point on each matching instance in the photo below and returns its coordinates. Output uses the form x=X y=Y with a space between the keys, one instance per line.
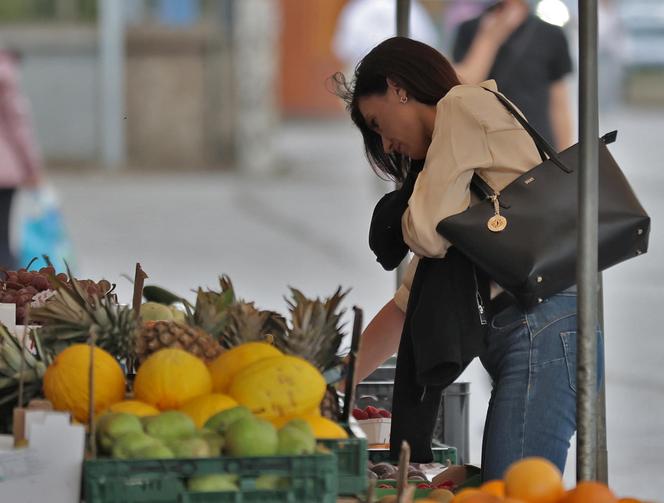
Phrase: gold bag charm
x=497 y=222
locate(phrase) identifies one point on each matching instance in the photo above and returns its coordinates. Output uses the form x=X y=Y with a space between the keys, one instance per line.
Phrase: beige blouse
x=473 y=131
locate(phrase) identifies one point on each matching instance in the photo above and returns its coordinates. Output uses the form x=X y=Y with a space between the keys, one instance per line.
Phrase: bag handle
x=540 y=142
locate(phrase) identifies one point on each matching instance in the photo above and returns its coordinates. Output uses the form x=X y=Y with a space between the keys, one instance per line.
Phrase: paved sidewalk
x=306 y=226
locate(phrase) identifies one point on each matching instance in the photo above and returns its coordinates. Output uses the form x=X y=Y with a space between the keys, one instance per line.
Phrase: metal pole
x=403 y=18
x=587 y=276
x=602 y=458
x=112 y=90
x=403 y=30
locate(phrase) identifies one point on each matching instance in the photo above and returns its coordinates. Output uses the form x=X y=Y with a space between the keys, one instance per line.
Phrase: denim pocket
x=569 y=347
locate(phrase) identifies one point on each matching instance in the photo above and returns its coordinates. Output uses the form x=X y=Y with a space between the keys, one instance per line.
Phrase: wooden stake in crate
x=139 y=281
x=92 y=443
x=405 y=491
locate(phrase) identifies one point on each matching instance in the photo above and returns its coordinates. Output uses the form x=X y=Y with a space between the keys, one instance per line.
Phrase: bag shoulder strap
x=481 y=189
x=541 y=144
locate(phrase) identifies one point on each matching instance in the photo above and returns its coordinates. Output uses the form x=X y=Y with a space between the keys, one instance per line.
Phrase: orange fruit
x=495 y=487
x=464 y=494
x=534 y=480
x=589 y=491
x=629 y=500
x=480 y=497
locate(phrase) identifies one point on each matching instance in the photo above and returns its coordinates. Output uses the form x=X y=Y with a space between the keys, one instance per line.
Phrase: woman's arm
x=561 y=115
x=458 y=147
x=380 y=339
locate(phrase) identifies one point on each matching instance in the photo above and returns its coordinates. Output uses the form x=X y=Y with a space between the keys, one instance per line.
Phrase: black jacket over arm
x=443 y=331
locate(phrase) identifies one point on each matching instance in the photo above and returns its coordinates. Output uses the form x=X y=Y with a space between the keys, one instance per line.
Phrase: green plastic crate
x=352 y=460
x=441 y=454
x=311 y=478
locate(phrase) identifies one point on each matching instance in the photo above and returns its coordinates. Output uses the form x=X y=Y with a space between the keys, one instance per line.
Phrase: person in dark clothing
x=529 y=60
x=428 y=132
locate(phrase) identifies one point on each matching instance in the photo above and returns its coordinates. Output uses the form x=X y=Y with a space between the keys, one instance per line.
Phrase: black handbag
x=525 y=237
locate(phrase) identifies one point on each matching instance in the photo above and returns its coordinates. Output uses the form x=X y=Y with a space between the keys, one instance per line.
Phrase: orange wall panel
x=306 y=57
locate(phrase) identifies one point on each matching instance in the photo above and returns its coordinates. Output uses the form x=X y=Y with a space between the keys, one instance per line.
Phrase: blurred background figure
x=20 y=161
x=611 y=53
x=529 y=59
x=363 y=24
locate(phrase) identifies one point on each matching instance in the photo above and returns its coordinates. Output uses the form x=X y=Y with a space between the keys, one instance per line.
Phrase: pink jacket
x=19 y=156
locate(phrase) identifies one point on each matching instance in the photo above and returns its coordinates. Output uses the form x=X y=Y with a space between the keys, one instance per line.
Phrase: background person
x=529 y=60
x=20 y=160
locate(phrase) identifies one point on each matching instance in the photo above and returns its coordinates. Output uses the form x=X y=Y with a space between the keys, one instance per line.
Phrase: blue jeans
x=531 y=358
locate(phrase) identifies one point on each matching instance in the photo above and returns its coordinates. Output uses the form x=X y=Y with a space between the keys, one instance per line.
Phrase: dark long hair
x=424 y=73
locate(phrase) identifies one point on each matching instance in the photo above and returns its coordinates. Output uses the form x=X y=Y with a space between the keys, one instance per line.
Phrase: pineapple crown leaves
x=211 y=310
x=69 y=316
x=32 y=368
x=315 y=331
x=248 y=323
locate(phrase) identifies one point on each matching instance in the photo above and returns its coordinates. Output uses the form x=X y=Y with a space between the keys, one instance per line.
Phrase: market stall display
x=222 y=401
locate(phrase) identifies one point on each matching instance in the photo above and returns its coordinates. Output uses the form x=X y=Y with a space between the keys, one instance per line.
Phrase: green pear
x=294 y=442
x=251 y=437
x=113 y=425
x=218 y=482
x=169 y=425
x=154 y=451
x=222 y=420
x=153 y=311
x=272 y=482
x=125 y=446
x=192 y=447
x=214 y=440
x=300 y=424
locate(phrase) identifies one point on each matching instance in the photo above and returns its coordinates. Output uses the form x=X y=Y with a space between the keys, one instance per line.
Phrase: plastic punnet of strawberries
x=370 y=412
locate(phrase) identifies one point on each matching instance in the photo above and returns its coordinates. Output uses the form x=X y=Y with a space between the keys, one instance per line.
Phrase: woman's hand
x=498 y=24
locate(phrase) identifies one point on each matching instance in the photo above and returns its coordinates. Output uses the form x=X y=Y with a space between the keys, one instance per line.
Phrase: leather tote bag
x=525 y=237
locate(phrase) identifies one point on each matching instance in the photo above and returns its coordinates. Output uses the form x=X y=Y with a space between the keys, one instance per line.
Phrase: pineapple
x=155 y=335
x=11 y=368
x=315 y=335
x=230 y=321
x=72 y=314
x=246 y=324
x=211 y=310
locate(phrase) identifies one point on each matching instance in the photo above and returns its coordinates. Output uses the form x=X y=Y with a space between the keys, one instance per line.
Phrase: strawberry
x=359 y=414
x=384 y=413
x=372 y=412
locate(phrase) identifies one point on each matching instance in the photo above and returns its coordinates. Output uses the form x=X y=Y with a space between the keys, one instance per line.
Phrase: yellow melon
x=229 y=363
x=279 y=386
x=324 y=427
x=67 y=383
x=134 y=407
x=203 y=407
x=279 y=421
x=171 y=377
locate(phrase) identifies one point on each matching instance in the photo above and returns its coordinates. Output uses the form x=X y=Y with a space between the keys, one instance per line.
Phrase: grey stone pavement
x=306 y=224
